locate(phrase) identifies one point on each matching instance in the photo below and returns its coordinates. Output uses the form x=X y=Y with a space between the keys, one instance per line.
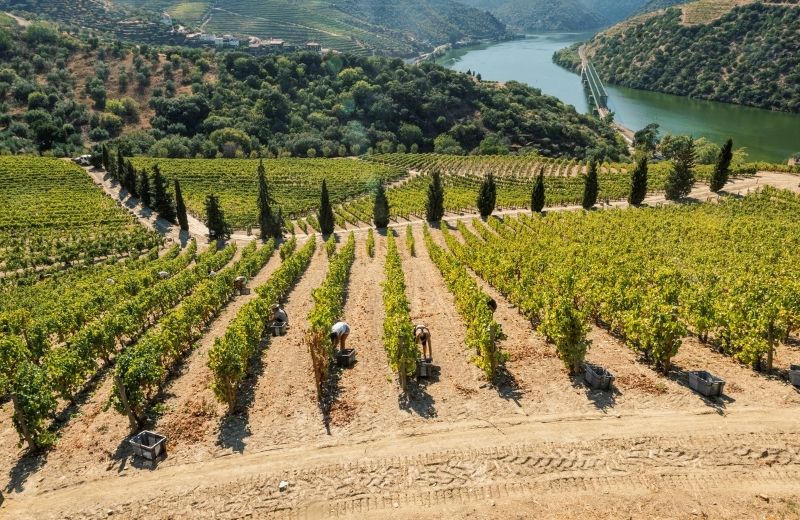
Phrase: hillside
x=182 y=102
x=557 y=15
x=749 y=55
x=401 y=28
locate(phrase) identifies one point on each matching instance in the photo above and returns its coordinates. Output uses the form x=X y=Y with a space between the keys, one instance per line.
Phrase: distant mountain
x=558 y=15
x=655 y=5
x=396 y=28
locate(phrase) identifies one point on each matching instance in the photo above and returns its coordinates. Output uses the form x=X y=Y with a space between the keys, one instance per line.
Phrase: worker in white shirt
x=339 y=333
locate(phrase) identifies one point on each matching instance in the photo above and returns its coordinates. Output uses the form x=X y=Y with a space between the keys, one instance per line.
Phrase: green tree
x=590 y=186
x=646 y=139
x=380 y=209
x=722 y=168
x=162 y=200
x=638 y=181
x=681 y=178
x=325 y=217
x=180 y=207
x=113 y=169
x=266 y=220
x=218 y=228
x=537 y=196
x=131 y=179
x=434 y=207
x=105 y=157
x=487 y=196
x=143 y=187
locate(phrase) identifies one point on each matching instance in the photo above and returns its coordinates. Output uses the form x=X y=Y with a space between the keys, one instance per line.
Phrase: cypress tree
x=180 y=208
x=638 y=181
x=105 y=158
x=112 y=169
x=434 y=208
x=279 y=226
x=266 y=221
x=143 y=187
x=121 y=169
x=487 y=196
x=218 y=229
x=722 y=169
x=325 y=217
x=162 y=200
x=130 y=179
x=537 y=197
x=380 y=209
x=590 y=186
x=681 y=178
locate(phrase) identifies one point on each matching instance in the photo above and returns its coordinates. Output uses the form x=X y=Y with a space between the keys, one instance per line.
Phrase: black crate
x=346 y=358
x=150 y=446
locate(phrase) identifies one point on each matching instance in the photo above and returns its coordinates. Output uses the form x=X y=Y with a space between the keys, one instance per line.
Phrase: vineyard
x=162 y=340
x=515 y=176
x=54 y=216
x=294 y=183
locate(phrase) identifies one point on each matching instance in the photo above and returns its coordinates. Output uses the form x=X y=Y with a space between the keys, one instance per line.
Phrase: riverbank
x=766 y=136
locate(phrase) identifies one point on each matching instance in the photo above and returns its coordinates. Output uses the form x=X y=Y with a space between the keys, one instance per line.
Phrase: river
x=766 y=135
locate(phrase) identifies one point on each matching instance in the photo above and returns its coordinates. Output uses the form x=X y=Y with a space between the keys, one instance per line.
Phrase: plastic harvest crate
x=706 y=383
x=346 y=358
x=598 y=377
x=149 y=445
x=794 y=374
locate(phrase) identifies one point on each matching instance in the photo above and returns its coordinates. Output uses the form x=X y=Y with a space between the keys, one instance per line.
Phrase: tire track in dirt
x=459 y=390
x=192 y=410
x=719 y=464
x=284 y=407
x=368 y=392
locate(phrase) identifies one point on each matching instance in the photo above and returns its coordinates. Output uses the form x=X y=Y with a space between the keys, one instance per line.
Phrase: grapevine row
x=483 y=332
x=398 y=334
x=140 y=370
x=329 y=299
x=230 y=356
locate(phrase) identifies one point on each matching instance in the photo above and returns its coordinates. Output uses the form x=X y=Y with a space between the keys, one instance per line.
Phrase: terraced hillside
x=399 y=28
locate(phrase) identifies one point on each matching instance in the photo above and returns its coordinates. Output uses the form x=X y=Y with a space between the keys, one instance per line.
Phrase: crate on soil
x=706 y=383
x=598 y=377
x=150 y=446
x=346 y=358
x=794 y=374
x=278 y=329
x=424 y=368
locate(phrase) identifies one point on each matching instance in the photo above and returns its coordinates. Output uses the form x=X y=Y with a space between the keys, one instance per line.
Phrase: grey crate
x=278 y=329
x=794 y=374
x=597 y=377
x=346 y=358
x=149 y=445
x=706 y=383
x=424 y=368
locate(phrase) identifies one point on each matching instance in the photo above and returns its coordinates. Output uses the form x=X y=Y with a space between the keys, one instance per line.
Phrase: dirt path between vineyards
x=649 y=466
